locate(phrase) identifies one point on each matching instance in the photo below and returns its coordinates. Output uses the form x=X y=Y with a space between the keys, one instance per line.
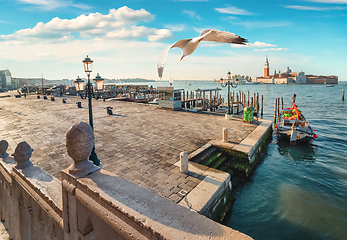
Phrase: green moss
x=222 y=208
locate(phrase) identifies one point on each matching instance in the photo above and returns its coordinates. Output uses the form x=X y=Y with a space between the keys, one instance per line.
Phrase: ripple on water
x=313 y=210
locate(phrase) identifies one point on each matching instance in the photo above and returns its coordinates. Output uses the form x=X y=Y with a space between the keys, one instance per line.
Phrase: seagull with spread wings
x=188 y=46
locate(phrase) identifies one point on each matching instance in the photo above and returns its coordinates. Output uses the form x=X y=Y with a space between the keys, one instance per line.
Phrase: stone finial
x=22 y=154
x=3 y=148
x=79 y=145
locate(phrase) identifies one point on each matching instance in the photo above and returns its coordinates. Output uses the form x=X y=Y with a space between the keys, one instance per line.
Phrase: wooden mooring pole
x=262 y=106
x=343 y=94
x=257 y=105
x=248 y=100
x=237 y=103
x=275 y=111
x=278 y=107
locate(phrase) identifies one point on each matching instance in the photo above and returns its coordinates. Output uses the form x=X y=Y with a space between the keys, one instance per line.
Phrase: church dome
x=288 y=70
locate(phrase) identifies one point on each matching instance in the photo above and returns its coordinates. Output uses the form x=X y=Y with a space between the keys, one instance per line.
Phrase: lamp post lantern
x=88 y=66
x=99 y=82
x=99 y=85
x=228 y=83
x=79 y=85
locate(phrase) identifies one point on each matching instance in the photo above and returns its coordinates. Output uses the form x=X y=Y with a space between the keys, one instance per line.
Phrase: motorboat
x=291 y=124
x=155 y=101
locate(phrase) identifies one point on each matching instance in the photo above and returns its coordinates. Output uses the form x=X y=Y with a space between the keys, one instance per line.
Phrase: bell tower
x=266 y=68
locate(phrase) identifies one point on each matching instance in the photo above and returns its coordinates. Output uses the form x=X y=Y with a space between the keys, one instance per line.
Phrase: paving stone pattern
x=139 y=142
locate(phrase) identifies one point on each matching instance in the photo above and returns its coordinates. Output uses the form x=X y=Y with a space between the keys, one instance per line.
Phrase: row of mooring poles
x=190 y=99
x=277 y=108
x=240 y=99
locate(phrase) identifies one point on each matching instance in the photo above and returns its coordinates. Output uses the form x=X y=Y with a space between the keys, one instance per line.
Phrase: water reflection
x=316 y=211
x=297 y=153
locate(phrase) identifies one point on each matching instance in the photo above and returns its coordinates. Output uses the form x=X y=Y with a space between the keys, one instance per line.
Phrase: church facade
x=288 y=77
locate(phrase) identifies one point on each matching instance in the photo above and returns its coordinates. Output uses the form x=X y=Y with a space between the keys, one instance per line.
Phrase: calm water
x=297 y=192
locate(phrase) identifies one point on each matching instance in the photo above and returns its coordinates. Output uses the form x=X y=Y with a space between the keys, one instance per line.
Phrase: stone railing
x=30 y=198
x=89 y=202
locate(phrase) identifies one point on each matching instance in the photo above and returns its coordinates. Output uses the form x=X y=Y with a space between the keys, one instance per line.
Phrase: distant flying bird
x=188 y=46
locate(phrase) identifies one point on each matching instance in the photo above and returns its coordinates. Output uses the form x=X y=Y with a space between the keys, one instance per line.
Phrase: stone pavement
x=139 y=142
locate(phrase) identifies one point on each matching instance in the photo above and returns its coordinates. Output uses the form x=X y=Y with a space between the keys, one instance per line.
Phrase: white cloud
x=192 y=14
x=46 y=55
x=176 y=27
x=160 y=34
x=152 y=34
x=297 y=7
x=255 y=44
x=262 y=24
x=125 y=14
x=330 y=1
x=118 y=23
x=270 y=49
x=233 y=10
x=262 y=44
x=54 y=4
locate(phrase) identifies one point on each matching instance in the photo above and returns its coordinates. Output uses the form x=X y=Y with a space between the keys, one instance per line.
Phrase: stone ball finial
x=22 y=154
x=3 y=148
x=79 y=145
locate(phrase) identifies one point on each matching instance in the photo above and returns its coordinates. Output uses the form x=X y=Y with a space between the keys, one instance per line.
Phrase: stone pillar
x=184 y=162
x=79 y=145
x=225 y=134
x=22 y=154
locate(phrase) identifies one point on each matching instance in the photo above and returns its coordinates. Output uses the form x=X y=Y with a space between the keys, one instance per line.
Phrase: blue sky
x=125 y=38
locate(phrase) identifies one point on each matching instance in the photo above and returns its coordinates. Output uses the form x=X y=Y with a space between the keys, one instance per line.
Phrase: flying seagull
x=188 y=46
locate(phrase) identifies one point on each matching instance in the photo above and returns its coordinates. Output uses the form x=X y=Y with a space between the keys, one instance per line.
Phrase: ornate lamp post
x=229 y=83
x=79 y=84
x=99 y=84
x=88 y=64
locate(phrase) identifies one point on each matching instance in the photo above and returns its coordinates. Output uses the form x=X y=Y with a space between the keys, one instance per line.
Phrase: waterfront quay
x=139 y=142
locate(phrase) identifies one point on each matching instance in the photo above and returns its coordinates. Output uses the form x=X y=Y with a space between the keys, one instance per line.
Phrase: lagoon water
x=296 y=192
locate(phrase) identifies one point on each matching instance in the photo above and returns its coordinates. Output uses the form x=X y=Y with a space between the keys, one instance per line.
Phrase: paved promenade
x=139 y=142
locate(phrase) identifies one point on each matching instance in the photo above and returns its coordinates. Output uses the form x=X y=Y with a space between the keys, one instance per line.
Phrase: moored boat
x=292 y=124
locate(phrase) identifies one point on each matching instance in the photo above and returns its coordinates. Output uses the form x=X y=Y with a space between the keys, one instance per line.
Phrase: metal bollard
x=109 y=110
x=44 y=97
x=184 y=162
x=38 y=97
x=52 y=99
x=79 y=105
x=225 y=134
x=64 y=100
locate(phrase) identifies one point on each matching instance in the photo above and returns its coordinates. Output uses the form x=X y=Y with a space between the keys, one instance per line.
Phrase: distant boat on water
x=245 y=82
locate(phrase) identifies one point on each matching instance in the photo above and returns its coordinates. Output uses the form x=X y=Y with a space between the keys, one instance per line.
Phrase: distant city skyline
x=125 y=39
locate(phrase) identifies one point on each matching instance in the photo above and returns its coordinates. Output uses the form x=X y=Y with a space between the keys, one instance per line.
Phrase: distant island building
x=288 y=76
x=5 y=79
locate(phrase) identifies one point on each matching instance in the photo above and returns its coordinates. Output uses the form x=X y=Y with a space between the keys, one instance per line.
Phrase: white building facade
x=5 y=78
x=300 y=78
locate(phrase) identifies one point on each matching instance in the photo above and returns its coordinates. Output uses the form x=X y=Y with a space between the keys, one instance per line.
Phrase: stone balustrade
x=89 y=202
x=30 y=198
